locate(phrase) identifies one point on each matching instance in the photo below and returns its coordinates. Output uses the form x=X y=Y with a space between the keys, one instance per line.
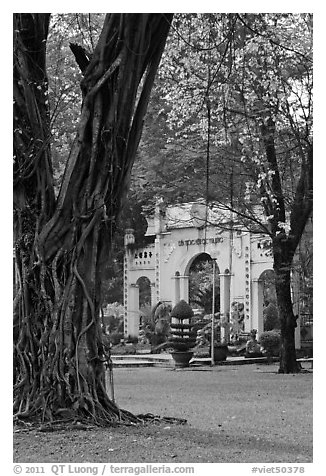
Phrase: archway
x=200 y=271
x=144 y=298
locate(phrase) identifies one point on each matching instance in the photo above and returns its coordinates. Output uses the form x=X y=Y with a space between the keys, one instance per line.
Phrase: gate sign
x=200 y=241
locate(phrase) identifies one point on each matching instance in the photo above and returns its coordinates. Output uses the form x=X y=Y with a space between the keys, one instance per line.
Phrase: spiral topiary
x=182 y=336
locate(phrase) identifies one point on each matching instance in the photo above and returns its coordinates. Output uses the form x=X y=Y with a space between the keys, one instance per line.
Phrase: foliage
x=155 y=323
x=144 y=287
x=270 y=342
x=64 y=77
x=146 y=315
x=114 y=309
x=271 y=319
x=115 y=337
x=165 y=165
x=216 y=74
x=131 y=217
x=113 y=318
x=204 y=334
x=201 y=286
x=182 y=337
x=182 y=310
x=303 y=268
x=267 y=278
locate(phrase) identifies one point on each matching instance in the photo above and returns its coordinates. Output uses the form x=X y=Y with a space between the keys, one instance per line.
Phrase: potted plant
x=220 y=351
x=183 y=337
x=220 y=348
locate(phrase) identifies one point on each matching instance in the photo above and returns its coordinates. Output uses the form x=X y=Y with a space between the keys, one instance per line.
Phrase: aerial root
x=149 y=417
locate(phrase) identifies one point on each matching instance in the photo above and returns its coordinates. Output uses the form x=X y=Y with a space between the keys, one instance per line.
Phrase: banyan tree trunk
x=61 y=243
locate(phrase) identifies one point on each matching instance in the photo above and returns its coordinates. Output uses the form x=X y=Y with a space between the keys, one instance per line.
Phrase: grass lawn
x=246 y=413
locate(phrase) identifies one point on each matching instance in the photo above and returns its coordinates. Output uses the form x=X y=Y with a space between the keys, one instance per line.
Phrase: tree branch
x=82 y=56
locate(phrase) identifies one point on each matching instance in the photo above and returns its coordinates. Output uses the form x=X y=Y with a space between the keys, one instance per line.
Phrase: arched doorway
x=201 y=284
x=144 y=298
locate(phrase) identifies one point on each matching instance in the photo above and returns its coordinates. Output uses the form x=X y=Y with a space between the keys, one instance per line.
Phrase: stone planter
x=182 y=359
x=220 y=352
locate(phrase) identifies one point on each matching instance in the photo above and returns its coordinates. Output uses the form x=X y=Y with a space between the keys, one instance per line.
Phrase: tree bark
x=59 y=354
x=282 y=267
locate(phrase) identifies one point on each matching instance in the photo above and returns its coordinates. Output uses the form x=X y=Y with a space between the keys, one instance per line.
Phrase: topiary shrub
x=182 y=310
x=183 y=337
x=270 y=341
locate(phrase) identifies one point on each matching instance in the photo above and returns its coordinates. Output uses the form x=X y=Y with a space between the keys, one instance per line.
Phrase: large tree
x=61 y=242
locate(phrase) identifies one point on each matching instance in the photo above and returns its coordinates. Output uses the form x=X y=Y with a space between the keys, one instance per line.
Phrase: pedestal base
x=182 y=359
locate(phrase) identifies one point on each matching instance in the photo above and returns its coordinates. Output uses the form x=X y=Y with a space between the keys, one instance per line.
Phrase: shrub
x=115 y=337
x=182 y=310
x=271 y=319
x=182 y=337
x=271 y=341
x=113 y=317
x=155 y=325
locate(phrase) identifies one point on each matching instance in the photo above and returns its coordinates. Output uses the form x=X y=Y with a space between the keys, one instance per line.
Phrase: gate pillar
x=184 y=287
x=132 y=328
x=176 y=289
x=154 y=295
x=257 y=299
x=225 y=281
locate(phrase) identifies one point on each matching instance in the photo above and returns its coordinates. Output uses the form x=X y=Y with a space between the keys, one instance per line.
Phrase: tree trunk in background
x=60 y=245
x=285 y=243
x=282 y=268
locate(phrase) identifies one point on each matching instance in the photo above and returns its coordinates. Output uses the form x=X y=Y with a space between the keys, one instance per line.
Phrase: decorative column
x=225 y=281
x=176 y=296
x=129 y=239
x=156 y=295
x=247 y=303
x=184 y=287
x=257 y=299
x=133 y=311
x=125 y=293
x=153 y=294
